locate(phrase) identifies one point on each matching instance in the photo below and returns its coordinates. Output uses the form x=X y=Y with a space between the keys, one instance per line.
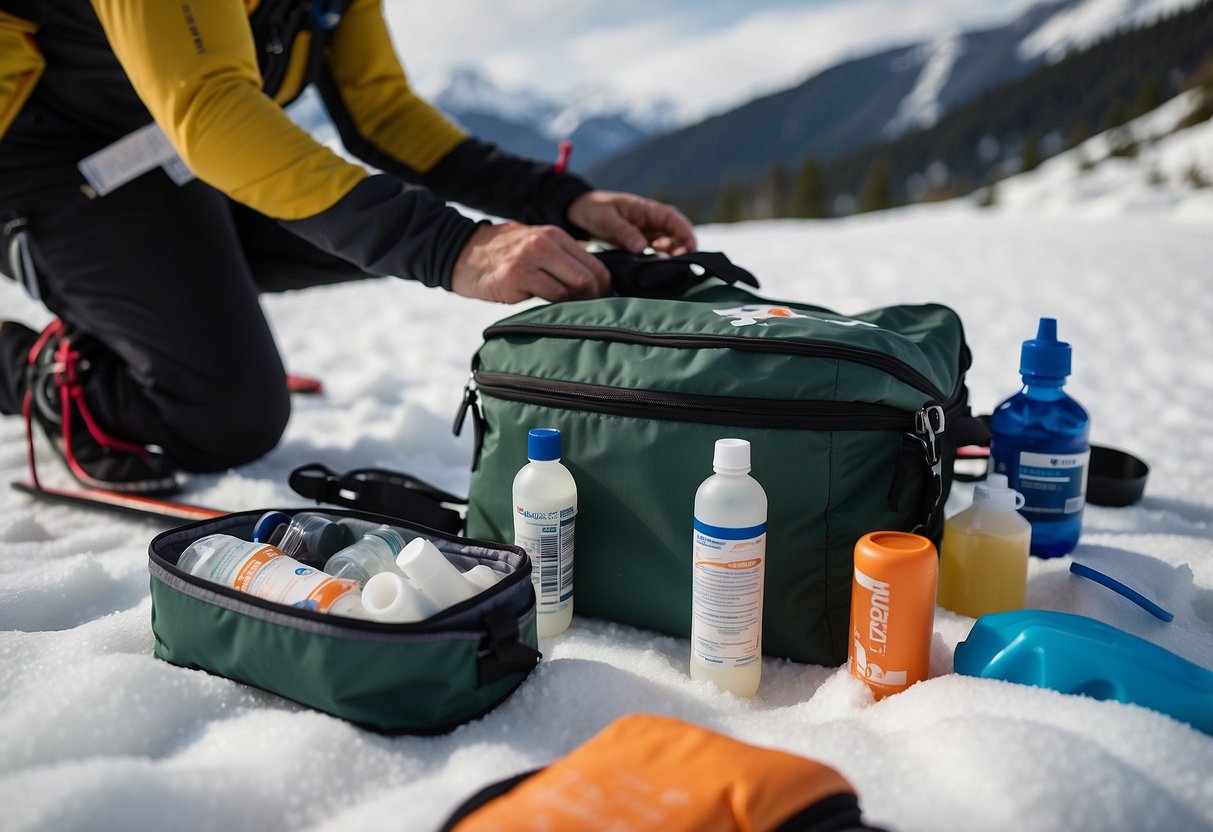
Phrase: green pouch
x=847 y=418
x=426 y=677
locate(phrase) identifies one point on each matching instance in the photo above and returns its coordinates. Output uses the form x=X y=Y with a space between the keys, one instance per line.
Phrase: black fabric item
x=664 y=276
x=15 y=342
x=167 y=280
x=388 y=227
x=381 y=492
x=479 y=174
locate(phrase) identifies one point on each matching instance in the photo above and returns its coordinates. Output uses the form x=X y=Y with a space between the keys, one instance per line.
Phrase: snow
x=920 y=108
x=1090 y=21
x=97 y=734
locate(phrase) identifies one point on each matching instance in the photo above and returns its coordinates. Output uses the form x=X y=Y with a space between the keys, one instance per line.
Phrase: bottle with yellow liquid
x=984 y=564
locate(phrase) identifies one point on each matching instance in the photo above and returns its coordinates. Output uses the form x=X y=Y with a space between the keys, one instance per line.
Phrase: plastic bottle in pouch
x=727 y=572
x=439 y=579
x=892 y=610
x=373 y=553
x=307 y=537
x=264 y=571
x=545 y=516
x=983 y=567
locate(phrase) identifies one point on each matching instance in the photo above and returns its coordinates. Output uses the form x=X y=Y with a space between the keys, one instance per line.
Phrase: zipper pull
x=274 y=44
x=469 y=401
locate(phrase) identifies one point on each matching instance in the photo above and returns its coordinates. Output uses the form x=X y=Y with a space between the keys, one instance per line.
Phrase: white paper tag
x=131 y=156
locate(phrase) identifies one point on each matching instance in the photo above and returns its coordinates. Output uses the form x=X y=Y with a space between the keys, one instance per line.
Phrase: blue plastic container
x=1074 y=654
x=1040 y=440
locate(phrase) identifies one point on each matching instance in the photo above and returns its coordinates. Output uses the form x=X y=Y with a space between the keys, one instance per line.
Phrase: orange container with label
x=892 y=610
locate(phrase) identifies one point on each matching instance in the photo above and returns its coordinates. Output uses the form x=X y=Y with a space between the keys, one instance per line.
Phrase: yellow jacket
x=214 y=74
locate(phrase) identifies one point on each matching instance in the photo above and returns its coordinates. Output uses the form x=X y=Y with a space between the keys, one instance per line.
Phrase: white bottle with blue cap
x=728 y=566
x=545 y=516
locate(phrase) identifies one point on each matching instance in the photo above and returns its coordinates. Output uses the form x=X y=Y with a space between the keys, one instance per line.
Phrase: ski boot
x=54 y=398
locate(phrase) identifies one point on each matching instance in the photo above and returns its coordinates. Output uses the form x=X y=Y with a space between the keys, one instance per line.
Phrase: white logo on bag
x=753 y=313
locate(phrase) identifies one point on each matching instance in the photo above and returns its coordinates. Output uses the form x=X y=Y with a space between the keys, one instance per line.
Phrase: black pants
x=167 y=279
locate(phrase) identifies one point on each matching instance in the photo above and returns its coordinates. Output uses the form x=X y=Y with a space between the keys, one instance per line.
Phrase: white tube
x=436 y=576
x=389 y=596
x=482 y=576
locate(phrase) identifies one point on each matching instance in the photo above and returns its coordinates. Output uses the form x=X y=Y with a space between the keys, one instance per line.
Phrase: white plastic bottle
x=433 y=574
x=728 y=568
x=375 y=552
x=264 y=571
x=390 y=596
x=983 y=564
x=545 y=515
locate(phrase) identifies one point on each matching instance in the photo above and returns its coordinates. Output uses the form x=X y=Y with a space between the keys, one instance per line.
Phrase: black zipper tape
x=895 y=367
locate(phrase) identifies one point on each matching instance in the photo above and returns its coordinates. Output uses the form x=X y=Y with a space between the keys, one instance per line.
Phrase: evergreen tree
x=810 y=200
x=1149 y=93
x=730 y=205
x=1029 y=157
x=876 y=193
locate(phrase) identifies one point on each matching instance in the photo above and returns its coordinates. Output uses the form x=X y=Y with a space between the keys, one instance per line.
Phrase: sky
x=703 y=56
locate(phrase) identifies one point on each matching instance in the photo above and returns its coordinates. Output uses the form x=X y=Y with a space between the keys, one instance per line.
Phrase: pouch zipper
x=434 y=622
x=896 y=368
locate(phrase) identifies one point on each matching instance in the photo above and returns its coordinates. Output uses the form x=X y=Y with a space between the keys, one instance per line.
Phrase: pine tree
x=810 y=199
x=1030 y=155
x=876 y=193
x=730 y=205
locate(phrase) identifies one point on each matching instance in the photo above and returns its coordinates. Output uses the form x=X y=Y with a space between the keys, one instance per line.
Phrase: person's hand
x=633 y=222
x=508 y=263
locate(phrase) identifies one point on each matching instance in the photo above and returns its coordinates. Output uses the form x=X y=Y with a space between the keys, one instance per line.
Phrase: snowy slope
x=97 y=734
x=1089 y=21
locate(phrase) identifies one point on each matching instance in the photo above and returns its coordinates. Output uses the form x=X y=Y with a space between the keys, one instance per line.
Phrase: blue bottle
x=1039 y=439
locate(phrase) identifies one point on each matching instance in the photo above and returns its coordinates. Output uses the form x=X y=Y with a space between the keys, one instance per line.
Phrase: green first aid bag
x=849 y=419
x=425 y=677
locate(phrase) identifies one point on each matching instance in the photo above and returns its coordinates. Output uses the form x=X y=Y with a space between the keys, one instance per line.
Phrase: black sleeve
x=388 y=227
x=475 y=173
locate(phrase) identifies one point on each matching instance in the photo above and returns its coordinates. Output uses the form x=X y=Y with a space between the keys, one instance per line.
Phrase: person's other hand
x=508 y=263
x=633 y=222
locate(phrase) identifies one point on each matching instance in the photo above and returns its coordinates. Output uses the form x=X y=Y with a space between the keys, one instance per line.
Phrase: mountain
x=867 y=100
x=598 y=122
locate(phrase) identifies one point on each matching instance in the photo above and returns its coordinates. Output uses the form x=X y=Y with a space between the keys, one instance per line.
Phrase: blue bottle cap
x=543 y=444
x=1044 y=356
x=267 y=523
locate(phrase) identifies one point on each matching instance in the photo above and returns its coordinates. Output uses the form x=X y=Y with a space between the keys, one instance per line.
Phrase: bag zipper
x=895 y=367
x=925 y=424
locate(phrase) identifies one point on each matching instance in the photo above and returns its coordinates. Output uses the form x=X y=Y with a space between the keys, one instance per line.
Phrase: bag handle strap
x=381 y=492
x=669 y=276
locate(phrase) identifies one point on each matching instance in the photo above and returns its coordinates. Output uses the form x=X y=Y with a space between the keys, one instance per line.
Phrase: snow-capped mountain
x=872 y=99
x=598 y=121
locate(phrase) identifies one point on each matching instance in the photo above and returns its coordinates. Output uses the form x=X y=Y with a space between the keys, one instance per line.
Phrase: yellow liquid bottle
x=984 y=560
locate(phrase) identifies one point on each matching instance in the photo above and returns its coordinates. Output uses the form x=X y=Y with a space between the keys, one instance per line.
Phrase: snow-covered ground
x=97 y=734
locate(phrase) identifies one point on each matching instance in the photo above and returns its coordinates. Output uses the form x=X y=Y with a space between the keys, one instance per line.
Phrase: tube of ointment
x=433 y=574
x=482 y=576
x=388 y=596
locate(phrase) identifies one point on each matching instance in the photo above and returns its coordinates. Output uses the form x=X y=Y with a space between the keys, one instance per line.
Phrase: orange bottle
x=892 y=610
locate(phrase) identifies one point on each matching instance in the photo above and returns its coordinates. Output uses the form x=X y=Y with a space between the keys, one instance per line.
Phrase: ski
x=150 y=507
x=304 y=385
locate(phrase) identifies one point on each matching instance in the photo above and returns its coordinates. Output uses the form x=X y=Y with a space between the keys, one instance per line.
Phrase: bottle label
x=1054 y=486
x=726 y=600
x=267 y=573
x=871 y=619
x=547 y=537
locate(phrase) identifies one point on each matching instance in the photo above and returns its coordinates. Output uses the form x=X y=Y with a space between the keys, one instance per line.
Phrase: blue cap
x=543 y=444
x=1044 y=355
